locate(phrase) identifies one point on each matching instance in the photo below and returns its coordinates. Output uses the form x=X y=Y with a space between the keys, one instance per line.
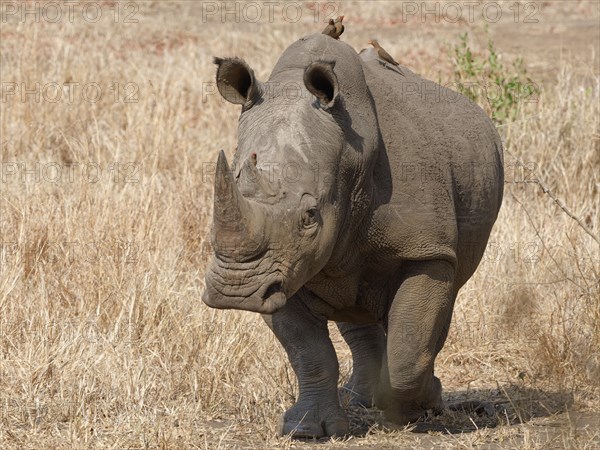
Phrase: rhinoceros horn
x=238 y=224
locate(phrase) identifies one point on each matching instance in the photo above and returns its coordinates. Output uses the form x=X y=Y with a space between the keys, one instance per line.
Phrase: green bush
x=485 y=80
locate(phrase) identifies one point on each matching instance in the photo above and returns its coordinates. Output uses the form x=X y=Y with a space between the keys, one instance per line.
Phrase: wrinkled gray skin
x=370 y=203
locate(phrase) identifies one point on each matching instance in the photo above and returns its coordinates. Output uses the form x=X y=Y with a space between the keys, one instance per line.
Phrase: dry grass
x=104 y=339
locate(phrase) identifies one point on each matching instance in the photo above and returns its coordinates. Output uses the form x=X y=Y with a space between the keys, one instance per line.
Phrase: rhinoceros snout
x=267 y=299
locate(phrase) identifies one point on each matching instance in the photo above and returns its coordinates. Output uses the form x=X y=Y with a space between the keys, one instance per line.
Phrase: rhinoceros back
x=445 y=163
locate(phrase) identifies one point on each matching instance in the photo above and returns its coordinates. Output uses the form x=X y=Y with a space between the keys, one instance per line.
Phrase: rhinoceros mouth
x=266 y=299
x=272 y=289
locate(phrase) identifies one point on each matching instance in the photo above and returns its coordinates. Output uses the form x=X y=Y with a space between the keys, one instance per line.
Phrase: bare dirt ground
x=108 y=130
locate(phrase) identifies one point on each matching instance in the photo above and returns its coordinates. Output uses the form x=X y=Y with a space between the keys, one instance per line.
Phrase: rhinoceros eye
x=310 y=217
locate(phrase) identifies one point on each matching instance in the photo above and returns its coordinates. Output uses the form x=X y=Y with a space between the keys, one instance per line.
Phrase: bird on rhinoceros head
x=339 y=27
x=330 y=29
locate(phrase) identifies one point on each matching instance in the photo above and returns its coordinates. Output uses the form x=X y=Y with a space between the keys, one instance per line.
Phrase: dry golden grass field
x=108 y=126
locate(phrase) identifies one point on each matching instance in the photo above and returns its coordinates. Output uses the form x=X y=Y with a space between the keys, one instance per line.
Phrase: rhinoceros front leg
x=305 y=338
x=417 y=325
x=367 y=344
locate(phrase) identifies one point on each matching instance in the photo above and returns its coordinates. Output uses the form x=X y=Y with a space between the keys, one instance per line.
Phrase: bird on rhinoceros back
x=330 y=29
x=339 y=26
x=382 y=53
x=385 y=56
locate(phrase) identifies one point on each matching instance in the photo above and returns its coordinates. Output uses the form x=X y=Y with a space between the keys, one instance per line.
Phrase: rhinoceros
x=360 y=194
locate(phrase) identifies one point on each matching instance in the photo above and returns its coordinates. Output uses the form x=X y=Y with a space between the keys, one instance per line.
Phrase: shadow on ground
x=469 y=411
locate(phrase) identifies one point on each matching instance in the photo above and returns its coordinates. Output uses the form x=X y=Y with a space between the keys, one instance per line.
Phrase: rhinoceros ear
x=236 y=82
x=322 y=82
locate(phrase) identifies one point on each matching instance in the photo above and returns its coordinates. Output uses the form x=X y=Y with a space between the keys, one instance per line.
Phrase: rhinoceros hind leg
x=367 y=344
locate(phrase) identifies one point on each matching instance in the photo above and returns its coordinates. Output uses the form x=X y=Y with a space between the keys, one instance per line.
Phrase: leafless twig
x=561 y=204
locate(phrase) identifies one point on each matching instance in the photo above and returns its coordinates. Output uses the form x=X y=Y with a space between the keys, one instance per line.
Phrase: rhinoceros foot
x=357 y=396
x=314 y=423
x=402 y=408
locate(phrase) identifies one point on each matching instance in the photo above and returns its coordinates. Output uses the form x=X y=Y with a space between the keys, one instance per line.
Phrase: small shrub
x=486 y=81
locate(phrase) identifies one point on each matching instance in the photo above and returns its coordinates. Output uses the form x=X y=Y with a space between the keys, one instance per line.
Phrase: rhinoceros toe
x=404 y=407
x=313 y=424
